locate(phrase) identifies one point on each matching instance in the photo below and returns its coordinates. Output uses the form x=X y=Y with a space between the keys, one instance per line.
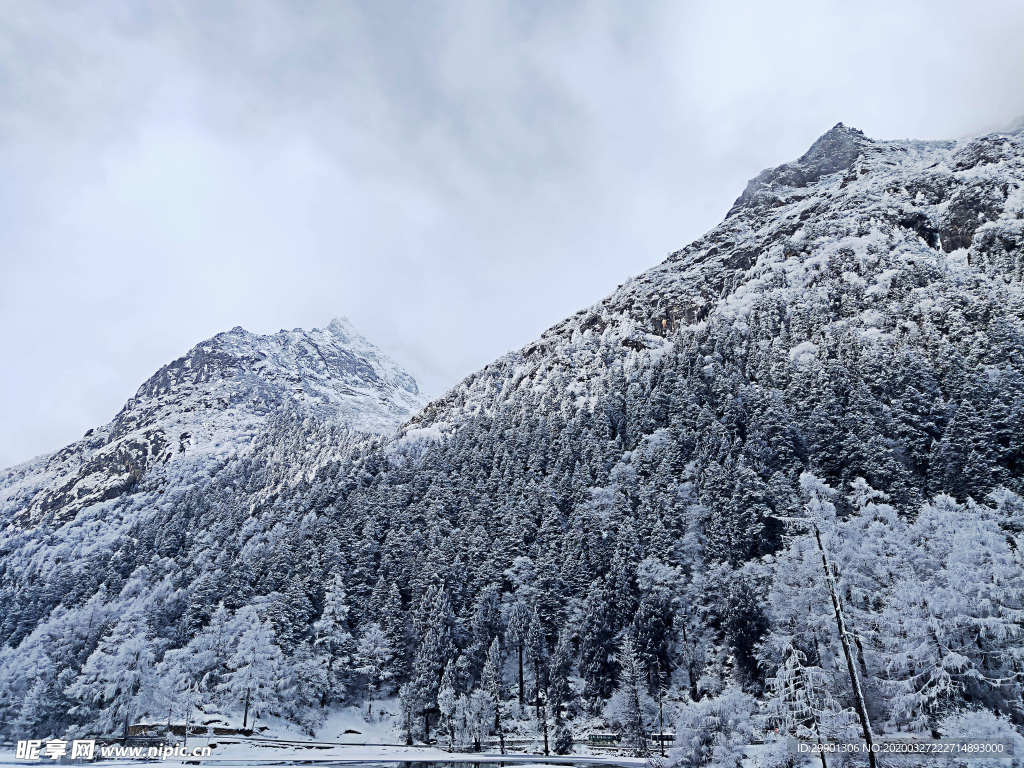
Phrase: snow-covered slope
x=211 y=401
x=892 y=223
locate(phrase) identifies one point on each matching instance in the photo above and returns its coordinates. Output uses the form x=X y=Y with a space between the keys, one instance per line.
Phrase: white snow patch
x=803 y=354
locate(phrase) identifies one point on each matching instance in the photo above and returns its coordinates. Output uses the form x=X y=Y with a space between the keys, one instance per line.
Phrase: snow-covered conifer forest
x=773 y=485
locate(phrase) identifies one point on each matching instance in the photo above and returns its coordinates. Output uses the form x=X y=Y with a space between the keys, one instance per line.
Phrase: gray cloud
x=454 y=177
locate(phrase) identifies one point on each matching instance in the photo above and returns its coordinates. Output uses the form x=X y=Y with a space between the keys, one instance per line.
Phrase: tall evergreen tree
x=256 y=668
x=116 y=684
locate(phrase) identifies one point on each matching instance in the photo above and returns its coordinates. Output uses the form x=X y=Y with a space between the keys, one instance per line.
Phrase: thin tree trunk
x=521 y=691
x=641 y=739
x=544 y=722
x=536 y=678
x=821 y=746
x=858 y=693
x=188 y=716
x=661 y=712
x=245 y=715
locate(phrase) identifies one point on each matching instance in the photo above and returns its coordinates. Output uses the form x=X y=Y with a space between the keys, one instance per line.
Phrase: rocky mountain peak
x=835 y=150
x=217 y=397
x=342 y=328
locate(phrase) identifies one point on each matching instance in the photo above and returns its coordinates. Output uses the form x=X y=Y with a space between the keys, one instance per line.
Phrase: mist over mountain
x=778 y=476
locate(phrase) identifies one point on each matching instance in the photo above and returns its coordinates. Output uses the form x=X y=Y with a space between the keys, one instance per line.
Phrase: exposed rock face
x=212 y=400
x=868 y=209
x=835 y=151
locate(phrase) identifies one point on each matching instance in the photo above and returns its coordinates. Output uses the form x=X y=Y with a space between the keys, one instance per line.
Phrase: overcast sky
x=454 y=177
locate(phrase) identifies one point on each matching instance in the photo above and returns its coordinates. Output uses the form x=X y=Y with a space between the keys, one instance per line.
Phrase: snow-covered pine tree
x=951 y=626
x=306 y=687
x=256 y=668
x=801 y=705
x=437 y=648
x=517 y=628
x=373 y=659
x=630 y=705
x=492 y=684
x=536 y=646
x=447 y=704
x=116 y=684
x=597 y=646
x=333 y=641
x=45 y=705
x=559 y=670
x=190 y=675
x=713 y=731
x=486 y=624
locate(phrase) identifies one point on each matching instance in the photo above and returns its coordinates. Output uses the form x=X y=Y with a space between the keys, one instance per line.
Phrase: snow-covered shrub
x=713 y=732
x=775 y=753
x=563 y=740
x=982 y=724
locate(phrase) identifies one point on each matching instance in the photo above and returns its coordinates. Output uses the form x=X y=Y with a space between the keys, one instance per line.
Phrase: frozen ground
x=349 y=735
x=263 y=751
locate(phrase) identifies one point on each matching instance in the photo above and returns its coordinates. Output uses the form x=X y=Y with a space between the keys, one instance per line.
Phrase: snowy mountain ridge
x=942 y=210
x=213 y=400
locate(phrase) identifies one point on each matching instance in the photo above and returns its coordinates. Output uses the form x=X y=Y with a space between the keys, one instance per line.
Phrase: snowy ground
x=259 y=751
x=350 y=735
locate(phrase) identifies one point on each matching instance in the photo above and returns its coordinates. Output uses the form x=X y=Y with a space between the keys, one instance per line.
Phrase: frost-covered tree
x=630 y=706
x=45 y=705
x=559 y=670
x=333 y=640
x=256 y=668
x=713 y=732
x=447 y=704
x=492 y=685
x=436 y=650
x=306 y=687
x=189 y=676
x=518 y=627
x=373 y=659
x=597 y=647
x=800 y=702
x=952 y=621
x=116 y=684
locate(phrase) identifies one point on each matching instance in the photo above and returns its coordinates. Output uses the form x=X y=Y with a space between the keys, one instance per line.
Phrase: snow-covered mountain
x=888 y=227
x=213 y=401
x=778 y=476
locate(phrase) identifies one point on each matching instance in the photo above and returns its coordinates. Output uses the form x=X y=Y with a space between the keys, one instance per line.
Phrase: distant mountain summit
x=334 y=371
x=212 y=401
